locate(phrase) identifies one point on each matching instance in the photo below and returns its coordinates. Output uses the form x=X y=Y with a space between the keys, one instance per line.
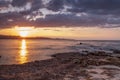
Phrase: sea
x=19 y=51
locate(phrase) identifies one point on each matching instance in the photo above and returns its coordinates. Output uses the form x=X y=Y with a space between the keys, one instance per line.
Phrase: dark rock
x=98 y=53
x=76 y=61
x=85 y=51
x=3 y=79
x=81 y=43
x=116 y=51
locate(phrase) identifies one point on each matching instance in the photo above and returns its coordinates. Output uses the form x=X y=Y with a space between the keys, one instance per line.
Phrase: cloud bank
x=60 y=13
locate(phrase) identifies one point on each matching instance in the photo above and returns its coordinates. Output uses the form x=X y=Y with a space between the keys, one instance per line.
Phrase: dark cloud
x=4 y=3
x=70 y=21
x=55 y=5
x=95 y=6
x=56 y=13
x=12 y=19
x=19 y=3
x=36 y=4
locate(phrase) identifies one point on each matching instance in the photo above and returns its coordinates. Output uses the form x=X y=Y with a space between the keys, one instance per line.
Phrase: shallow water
x=22 y=51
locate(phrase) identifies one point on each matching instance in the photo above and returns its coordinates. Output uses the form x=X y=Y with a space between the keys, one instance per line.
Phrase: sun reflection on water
x=23 y=52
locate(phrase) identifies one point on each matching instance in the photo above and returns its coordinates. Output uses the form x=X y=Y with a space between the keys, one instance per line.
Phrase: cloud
x=19 y=3
x=71 y=20
x=55 y=5
x=16 y=9
x=12 y=19
x=59 y=13
x=36 y=4
x=95 y=6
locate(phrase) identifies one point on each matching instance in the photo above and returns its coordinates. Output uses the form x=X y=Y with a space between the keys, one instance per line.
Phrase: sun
x=23 y=31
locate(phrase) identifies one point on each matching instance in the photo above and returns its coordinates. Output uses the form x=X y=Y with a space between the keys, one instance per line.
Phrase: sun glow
x=24 y=31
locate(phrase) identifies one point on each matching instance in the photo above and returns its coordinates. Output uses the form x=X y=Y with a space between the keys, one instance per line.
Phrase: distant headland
x=19 y=37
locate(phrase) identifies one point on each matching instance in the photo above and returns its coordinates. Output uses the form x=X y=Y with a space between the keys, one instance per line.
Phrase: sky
x=81 y=19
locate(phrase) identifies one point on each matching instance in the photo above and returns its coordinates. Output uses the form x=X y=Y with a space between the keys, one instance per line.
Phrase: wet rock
x=116 y=51
x=99 y=53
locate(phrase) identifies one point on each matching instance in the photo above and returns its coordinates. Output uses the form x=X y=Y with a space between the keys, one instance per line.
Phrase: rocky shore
x=66 y=66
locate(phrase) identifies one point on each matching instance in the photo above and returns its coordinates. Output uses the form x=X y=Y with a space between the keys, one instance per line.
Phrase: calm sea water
x=22 y=51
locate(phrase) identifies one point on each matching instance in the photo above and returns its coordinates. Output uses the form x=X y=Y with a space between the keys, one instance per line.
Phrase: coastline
x=66 y=66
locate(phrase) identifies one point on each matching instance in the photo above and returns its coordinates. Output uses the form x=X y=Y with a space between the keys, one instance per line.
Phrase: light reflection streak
x=23 y=52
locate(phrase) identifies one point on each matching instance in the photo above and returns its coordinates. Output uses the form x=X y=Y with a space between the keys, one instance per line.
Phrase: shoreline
x=64 y=66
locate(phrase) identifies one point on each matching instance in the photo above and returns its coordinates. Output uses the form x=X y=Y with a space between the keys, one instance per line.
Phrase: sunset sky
x=76 y=19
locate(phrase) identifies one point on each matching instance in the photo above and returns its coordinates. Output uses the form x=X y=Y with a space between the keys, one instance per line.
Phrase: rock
x=85 y=51
x=81 y=43
x=62 y=64
x=116 y=51
x=76 y=61
x=98 y=53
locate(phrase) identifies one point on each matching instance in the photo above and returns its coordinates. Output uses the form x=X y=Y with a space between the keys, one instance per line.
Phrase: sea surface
x=19 y=51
